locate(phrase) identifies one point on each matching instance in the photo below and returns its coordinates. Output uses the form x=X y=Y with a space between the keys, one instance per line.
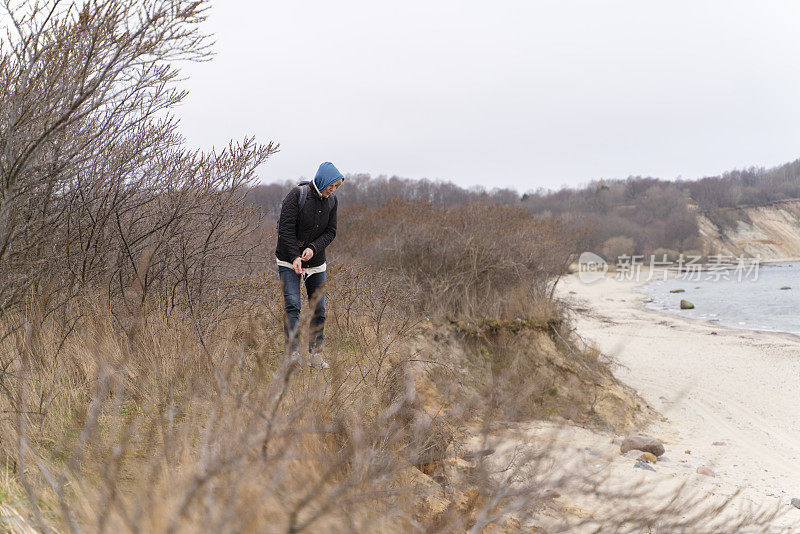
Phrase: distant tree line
x=364 y=189
x=649 y=213
x=755 y=186
x=646 y=215
x=641 y=215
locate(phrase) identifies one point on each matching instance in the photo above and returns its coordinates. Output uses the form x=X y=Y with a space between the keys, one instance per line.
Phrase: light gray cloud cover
x=512 y=94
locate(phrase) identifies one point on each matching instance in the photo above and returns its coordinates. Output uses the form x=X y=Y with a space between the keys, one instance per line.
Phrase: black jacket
x=314 y=227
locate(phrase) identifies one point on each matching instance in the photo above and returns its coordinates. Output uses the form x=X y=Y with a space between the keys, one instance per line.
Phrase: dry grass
x=149 y=429
x=473 y=260
x=141 y=424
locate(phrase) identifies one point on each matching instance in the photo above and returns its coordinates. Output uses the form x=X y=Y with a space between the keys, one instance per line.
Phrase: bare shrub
x=363 y=189
x=666 y=254
x=727 y=218
x=617 y=247
x=97 y=188
x=472 y=260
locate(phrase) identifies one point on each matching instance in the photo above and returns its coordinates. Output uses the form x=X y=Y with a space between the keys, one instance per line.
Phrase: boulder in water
x=686 y=305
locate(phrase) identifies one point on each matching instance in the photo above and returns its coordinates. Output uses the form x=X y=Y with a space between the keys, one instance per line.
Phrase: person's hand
x=298 y=265
x=307 y=253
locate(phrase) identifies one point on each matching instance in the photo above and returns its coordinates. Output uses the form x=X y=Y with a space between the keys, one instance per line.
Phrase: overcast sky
x=518 y=94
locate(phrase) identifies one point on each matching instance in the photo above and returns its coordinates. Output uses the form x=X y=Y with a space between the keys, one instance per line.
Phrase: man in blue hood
x=306 y=226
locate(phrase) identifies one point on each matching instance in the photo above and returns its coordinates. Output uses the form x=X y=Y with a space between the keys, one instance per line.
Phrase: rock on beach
x=641 y=442
x=703 y=470
x=643 y=465
x=648 y=457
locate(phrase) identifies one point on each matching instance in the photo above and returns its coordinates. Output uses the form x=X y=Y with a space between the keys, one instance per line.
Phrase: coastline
x=769 y=263
x=715 y=324
x=728 y=395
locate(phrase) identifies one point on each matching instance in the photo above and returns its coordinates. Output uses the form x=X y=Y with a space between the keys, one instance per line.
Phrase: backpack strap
x=301 y=201
x=303 y=196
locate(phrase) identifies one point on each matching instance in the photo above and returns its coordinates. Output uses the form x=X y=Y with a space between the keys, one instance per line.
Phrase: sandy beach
x=728 y=396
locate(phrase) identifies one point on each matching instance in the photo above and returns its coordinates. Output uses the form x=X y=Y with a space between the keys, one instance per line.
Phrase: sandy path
x=714 y=385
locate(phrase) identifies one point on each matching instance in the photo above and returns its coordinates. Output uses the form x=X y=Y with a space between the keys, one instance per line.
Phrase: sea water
x=750 y=299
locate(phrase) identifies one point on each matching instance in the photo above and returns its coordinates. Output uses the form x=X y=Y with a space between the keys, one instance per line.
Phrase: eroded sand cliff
x=771 y=232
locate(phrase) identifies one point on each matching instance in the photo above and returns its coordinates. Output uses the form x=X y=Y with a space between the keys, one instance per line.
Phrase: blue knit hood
x=326 y=175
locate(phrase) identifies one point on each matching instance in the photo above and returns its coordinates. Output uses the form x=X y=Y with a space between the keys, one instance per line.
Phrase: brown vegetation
x=654 y=213
x=153 y=427
x=363 y=189
x=470 y=260
x=651 y=213
x=657 y=213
